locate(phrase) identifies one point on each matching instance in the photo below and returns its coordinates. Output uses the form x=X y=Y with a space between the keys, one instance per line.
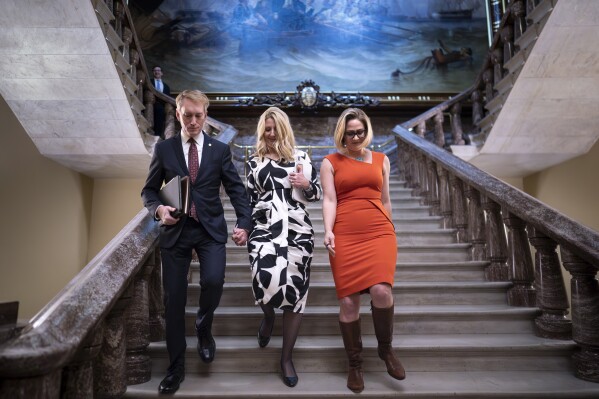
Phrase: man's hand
x=240 y=236
x=164 y=214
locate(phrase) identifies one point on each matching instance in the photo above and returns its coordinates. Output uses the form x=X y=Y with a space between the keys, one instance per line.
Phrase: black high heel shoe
x=264 y=340
x=289 y=381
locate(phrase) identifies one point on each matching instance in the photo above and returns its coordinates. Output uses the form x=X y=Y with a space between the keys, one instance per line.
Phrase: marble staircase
x=454 y=331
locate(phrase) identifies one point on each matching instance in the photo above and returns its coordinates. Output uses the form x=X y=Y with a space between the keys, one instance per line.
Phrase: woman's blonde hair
x=285 y=143
x=346 y=116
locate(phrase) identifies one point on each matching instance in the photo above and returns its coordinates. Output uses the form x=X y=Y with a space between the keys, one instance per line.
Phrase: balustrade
x=520 y=267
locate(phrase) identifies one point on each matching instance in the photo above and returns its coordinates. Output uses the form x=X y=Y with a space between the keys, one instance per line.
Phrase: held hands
x=329 y=242
x=164 y=214
x=239 y=236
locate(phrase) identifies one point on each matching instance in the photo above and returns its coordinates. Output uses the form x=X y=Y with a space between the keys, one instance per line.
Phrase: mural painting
x=253 y=46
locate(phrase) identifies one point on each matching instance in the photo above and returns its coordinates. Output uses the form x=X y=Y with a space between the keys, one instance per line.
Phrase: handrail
x=580 y=239
x=52 y=337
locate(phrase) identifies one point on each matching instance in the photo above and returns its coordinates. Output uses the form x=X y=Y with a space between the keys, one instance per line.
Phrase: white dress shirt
x=199 y=145
x=159 y=85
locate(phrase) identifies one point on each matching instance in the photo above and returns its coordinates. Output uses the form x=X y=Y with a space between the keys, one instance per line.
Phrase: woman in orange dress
x=360 y=238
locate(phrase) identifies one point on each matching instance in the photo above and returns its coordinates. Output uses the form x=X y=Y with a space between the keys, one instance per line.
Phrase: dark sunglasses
x=353 y=133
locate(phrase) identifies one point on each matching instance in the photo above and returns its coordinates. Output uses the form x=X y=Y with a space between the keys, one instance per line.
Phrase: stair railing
x=501 y=224
x=92 y=339
x=521 y=24
x=125 y=47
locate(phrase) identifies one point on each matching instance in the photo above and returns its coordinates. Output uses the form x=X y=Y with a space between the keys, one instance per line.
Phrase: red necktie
x=193 y=166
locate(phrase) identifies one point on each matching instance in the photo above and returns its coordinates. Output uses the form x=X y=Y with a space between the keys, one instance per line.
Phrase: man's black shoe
x=206 y=346
x=171 y=383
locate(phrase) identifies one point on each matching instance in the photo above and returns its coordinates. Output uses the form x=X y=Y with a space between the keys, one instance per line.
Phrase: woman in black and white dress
x=281 y=242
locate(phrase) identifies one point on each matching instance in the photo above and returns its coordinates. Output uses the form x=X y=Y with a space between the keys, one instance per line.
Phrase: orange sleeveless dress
x=365 y=241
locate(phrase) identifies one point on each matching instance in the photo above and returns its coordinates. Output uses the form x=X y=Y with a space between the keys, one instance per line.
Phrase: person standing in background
x=360 y=237
x=159 y=114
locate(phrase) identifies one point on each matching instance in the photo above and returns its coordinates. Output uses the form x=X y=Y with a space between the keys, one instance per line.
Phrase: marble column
x=551 y=292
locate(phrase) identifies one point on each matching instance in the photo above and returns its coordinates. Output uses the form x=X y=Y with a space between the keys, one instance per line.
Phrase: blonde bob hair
x=194 y=96
x=346 y=116
x=285 y=144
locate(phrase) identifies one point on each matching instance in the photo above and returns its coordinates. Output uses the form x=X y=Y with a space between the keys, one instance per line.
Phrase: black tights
x=291 y=326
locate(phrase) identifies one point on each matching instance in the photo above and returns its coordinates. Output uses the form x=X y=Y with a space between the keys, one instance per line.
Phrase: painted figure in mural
x=444 y=56
x=360 y=237
x=208 y=163
x=281 y=240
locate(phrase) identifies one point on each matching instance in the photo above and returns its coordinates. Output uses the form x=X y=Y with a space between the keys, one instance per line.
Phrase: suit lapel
x=178 y=149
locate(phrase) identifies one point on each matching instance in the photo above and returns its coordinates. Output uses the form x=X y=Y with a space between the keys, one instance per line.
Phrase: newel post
x=551 y=292
x=585 y=315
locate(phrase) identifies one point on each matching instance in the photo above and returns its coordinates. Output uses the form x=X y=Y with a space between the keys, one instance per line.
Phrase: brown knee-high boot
x=352 y=340
x=383 y=328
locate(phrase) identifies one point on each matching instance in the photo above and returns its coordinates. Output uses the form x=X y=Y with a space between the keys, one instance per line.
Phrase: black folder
x=175 y=193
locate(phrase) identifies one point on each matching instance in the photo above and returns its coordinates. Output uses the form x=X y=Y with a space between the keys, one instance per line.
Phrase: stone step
x=317 y=385
x=404 y=293
x=405 y=253
x=401 y=222
x=406 y=271
x=419 y=319
x=467 y=352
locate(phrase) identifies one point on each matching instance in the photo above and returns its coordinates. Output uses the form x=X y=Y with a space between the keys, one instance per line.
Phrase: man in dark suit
x=159 y=115
x=194 y=153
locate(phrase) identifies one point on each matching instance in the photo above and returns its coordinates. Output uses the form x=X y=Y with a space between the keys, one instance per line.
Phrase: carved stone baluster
x=135 y=69
x=156 y=302
x=78 y=376
x=169 y=118
x=496 y=244
x=401 y=159
x=127 y=39
x=520 y=268
x=439 y=133
x=551 y=292
x=477 y=107
x=137 y=316
x=488 y=80
x=456 y=124
x=424 y=184
x=119 y=15
x=149 y=100
x=497 y=60
x=507 y=38
x=517 y=10
x=476 y=225
x=458 y=201
x=433 y=180
x=407 y=157
x=110 y=5
x=110 y=379
x=421 y=128
x=445 y=198
x=416 y=174
x=585 y=315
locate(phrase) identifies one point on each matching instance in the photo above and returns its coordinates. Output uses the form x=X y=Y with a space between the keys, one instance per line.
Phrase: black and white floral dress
x=281 y=242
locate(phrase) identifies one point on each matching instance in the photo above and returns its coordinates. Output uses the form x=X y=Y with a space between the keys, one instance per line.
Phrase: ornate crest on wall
x=309 y=98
